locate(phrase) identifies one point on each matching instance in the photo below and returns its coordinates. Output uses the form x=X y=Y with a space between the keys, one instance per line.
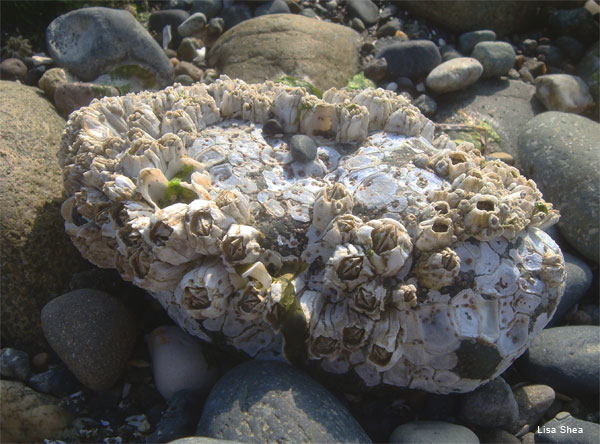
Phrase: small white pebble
x=441 y=42
x=392 y=86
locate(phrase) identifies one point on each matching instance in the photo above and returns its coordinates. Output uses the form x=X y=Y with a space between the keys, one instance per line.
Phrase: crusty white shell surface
x=406 y=260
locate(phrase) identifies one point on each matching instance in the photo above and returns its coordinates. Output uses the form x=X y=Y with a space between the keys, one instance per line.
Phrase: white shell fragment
x=399 y=258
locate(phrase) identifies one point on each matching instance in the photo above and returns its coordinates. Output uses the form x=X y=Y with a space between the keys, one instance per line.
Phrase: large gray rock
x=413 y=59
x=503 y=17
x=497 y=58
x=433 y=432
x=37 y=258
x=268 y=401
x=560 y=152
x=92 y=41
x=272 y=46
x=93 y=334
x=566 y=359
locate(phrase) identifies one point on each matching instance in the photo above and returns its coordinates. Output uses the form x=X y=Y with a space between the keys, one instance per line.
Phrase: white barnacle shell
x=357 y=329
x=435 y=233
x=389 y=246
x=168 y=237
x=240 y=245
x=204 y=291
x=552 y=270
x=347 y=268
x=404 y=296
x=482 y=221
x=368 y=298
x=343 y=229
x=330 y=202
x=152 y=185
x=385 y=347
x=235 y=205
x=438 y=269
x=325 y=337
x=121 y=188
x=205 y=225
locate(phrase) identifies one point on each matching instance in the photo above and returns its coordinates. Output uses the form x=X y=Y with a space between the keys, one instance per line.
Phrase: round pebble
x=566 y=359
x=433 y=432
x=187 y=49
x=426 y=105
x=468 y=40
x=14 y=364
x=563 y=92
x=376 y=69
x=303 y=148
x=365 y=10
x=492 y=405
x=272 y=7
x=357 y=24
x=533 y=402
x=58 y=380
x=568 y=430
x=249 y=402
x=454 y=75
x=413 y=59
x=192 y=24
x=272 y=127
x=92 y=333
x=496 y=58
x=12 y=69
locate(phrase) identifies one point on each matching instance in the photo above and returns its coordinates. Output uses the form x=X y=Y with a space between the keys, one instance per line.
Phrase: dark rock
x=202 y=440
x=184 y=79
x=529 y=47
x=14 y=364
x=449 y=52
x=365 y=10
x=593 y=311
x=247 y=404
x=187 y=49
x=376 y=70
x=272 y=127
x=498 y=436
x=58 y=380
x=533 y=401
x=302 y=148
x=37 y=258
x=413 y=59
x=13 y=69
x=426 y=105
x=433 y=432
x=235 y=14
x=92 y=41
x=323 y=52
x=565 y=144
x=406 y=85
x=216 y=25
x=566 y=359
x=193 y=24
x=496 y=58
x=441 y=407
x=387 y=13
x=34 y=75
x=571 y=48
x=295 y=7
x=307 y=12
x=40 y=362
x=179 y=419
x=189 y=69
x=69 y=97
x=357 y=24
x=552 y=55
x=503 y=17
x=272 y=7
x=367 y=48
x=492 y=405
x=589 y=70
x=210 y=8
x=566 y=429
x=174 y=17
x=468 y=40
x=579 y=280
x=578 y=23
x=389 y=28
x=92 y=333
x=535 y=67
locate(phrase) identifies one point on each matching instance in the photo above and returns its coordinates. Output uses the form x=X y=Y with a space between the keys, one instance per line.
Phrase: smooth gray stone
x=433 y=432
x=194 y=23
x=559 y=151
x=365 y=10
x=180 y=418
x=303 y=148
x=235 y=14
x=566 y=359
x=491 y=405
x=497 y=58
x=269 y=401
x=14 y=364
x=210 y=8
x=413 y=59
x=468 y=40
x=568 y=430
x=272 y=7
x=92 y=41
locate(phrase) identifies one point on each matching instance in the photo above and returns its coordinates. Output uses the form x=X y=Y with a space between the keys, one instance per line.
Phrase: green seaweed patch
x=184 y=174
x=359 y=81
x=476 y=360
x=541 y=207
x=293 y=81
x=175 y=192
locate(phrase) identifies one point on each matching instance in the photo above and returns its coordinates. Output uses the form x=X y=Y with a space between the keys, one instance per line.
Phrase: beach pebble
x=565 y=429
x=210 y=8
x=58 y=381
x=13 y=69
x=303 y=148
x=69 y=97
x=272 y=7
x=454 y=74
x=533 y=402
x=563 y=92
x=468 y=40
x=192 y=24
x=566 y=359
x=93 y=333
x=492 y=405
x=433 y=432
x=496 y=58
x=413 y=59
x=168 y=17
x=365 y=10
x=179 y=419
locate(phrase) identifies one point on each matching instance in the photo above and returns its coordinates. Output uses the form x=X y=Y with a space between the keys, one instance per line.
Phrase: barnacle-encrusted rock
x=406 y=260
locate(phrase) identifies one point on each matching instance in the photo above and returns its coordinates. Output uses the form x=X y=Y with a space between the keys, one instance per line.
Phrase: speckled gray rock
x=268 y=401
x=414 y=58
x=293 y=45
x=92 y=41
x=566 y=429
x=566 y=144
x=14 y=364
x=492 y=405
x=563 y=92
x=496 y=57
x=533 y=402
x=302 y=148
x=365 y=10
x=579 y=280
x=454 y=75
x=272 y=7
x=566 y=359
x=468 y=40
x=433 y=432
x=92 y=333
x=194 y=23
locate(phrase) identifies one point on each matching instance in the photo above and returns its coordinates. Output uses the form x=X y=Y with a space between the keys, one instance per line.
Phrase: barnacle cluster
x=406 y=260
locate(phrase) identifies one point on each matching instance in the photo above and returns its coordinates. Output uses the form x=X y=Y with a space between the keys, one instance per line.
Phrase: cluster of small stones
x=405 y=259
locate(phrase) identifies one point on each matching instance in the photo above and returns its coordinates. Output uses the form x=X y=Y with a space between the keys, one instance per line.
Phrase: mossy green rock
x=37 y=258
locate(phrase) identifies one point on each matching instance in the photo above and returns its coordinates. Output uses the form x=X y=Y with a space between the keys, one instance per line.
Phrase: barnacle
x=402 y=258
